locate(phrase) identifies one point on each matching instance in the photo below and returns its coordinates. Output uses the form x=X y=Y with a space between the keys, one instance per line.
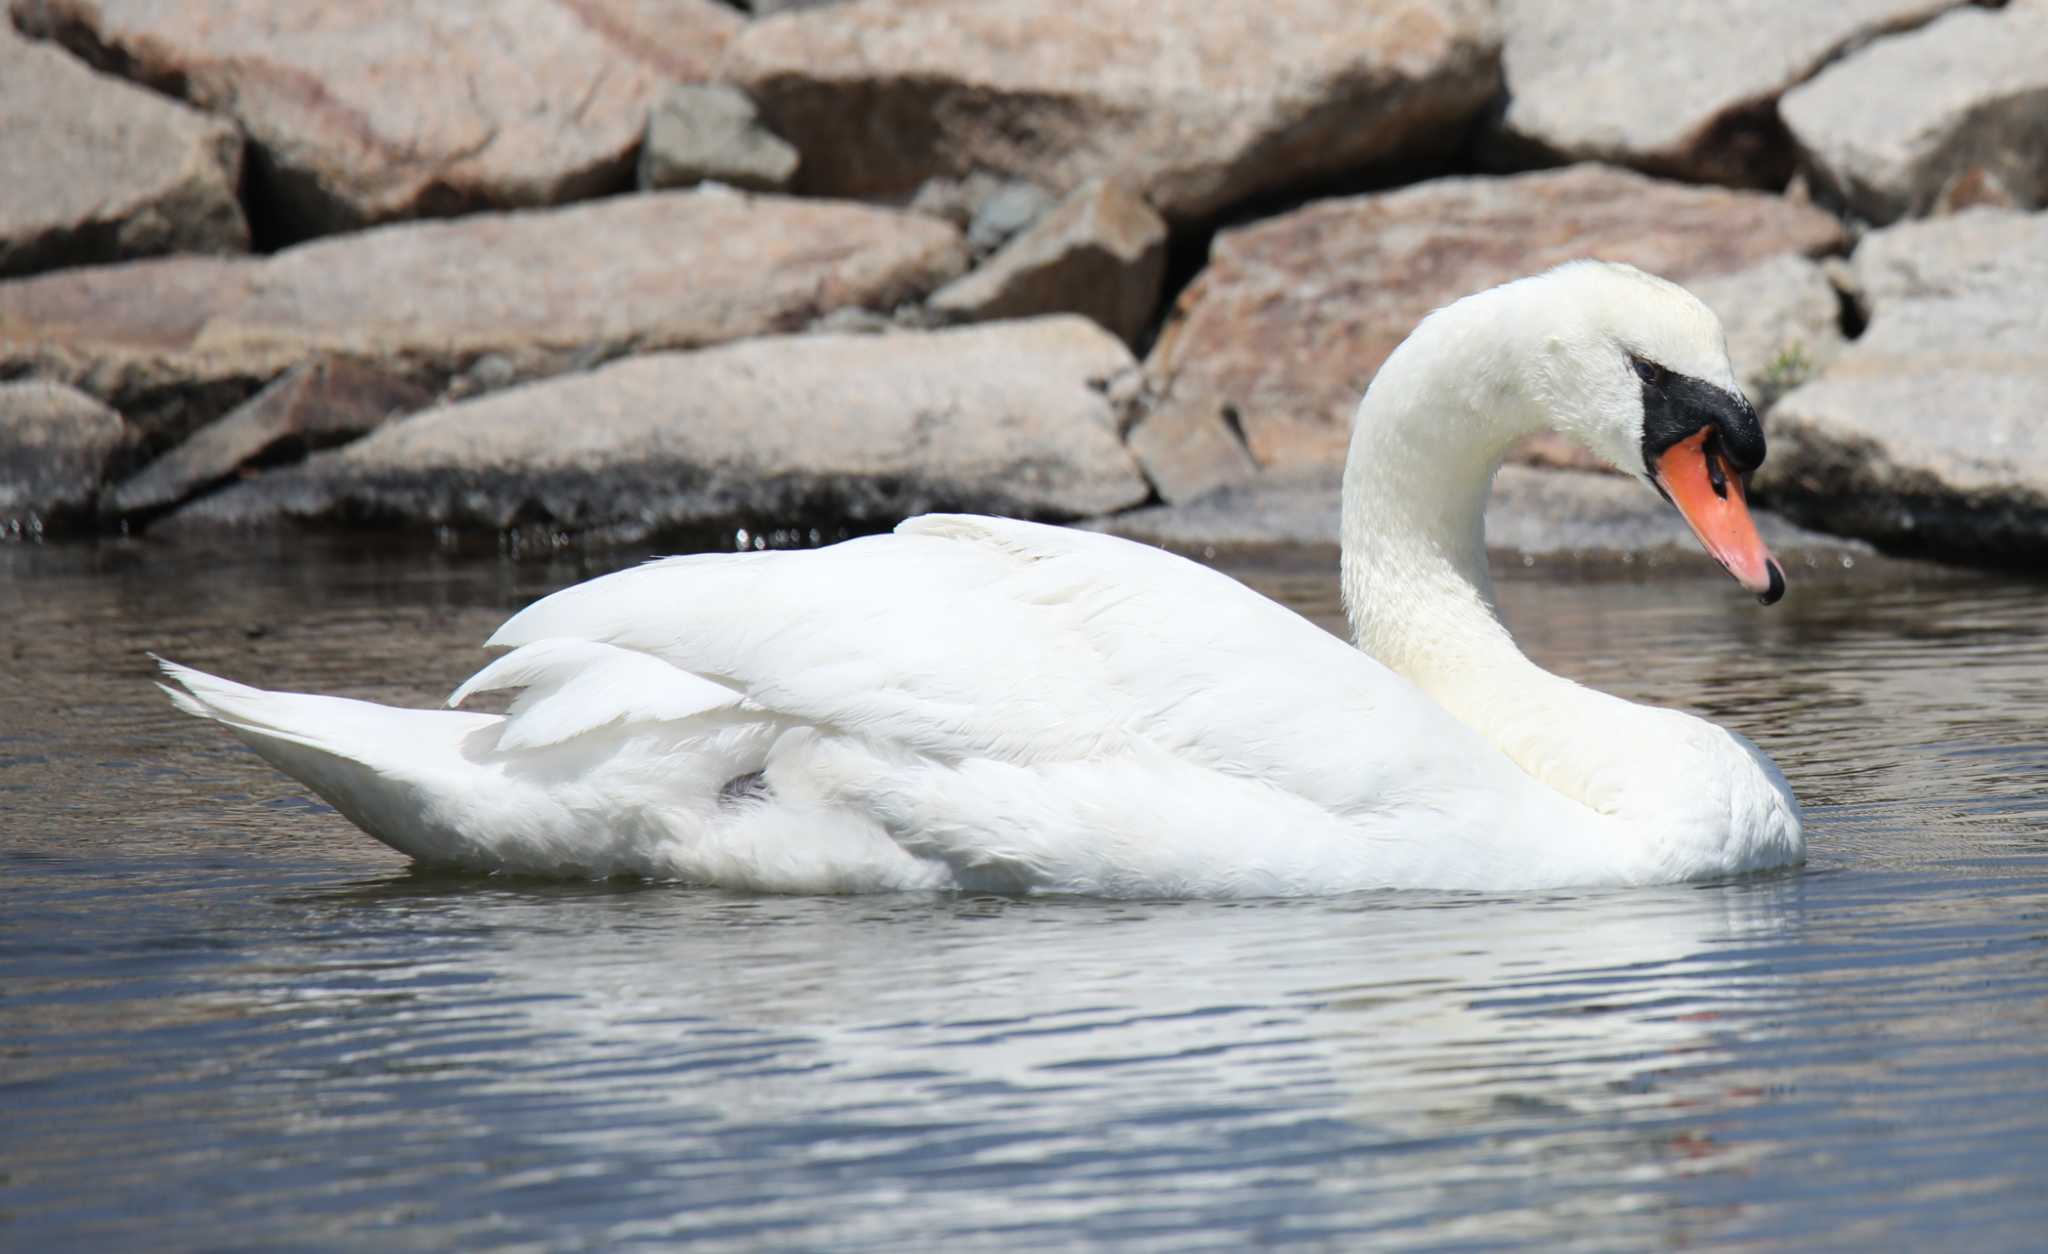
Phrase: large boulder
x=57 y=445
x=486 y=300
x=378 y=110
x=1195 y=105
x=1926 y=435
x=1955 y=113
x=102 y=170
x=1012 y=417
x=1686 y=89
x=1278 y=337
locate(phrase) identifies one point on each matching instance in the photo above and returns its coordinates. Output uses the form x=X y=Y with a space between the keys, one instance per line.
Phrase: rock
x=117 y=172
x=57 y=446
x=1950 y=115
x=764 y=8
x=789 y=431
x=708 y=132
x=1274 y=511
x=1005 y=214
x=1101 y=253
x=1188 y=452
x=1784 y=323
x=314 y=406
x=683 y=40
x=177 y=343
x=1686 y=92
x=1536 y=513
x=1294 y=314
x=130 y=336
x=1196 y=106
x=385 y=109
x=1926 y=436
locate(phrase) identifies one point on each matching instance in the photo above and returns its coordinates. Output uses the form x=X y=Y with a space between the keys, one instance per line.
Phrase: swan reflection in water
x=1394 y=1047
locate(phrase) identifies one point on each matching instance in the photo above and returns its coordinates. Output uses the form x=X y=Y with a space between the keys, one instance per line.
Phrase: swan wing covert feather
x=963 y=637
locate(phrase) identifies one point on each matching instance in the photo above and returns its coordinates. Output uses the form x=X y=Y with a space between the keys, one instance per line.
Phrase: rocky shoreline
x=388 y=265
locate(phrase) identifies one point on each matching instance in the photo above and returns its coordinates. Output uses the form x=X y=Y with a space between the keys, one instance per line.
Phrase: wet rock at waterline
x=176 y=343
x=1686 y=89
x=1541 y=513
x=1013 y=418
x=1195 y=105
x=310 y=407
x=378 y=110
x=1100 y=253
x=99 y=170
x=1279 y=336
x=1927 y=434
x=1947 y=116
x=57 y=445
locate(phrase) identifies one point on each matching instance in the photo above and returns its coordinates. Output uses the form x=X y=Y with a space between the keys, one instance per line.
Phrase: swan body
x=993 y=705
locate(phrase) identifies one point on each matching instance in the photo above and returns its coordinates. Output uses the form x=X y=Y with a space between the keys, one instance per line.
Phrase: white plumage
x=989 y=704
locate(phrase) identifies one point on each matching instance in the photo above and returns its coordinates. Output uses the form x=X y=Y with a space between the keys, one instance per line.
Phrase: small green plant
x=1787 y=370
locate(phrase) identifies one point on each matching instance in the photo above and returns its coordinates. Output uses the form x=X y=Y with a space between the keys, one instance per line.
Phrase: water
x=229 y=1020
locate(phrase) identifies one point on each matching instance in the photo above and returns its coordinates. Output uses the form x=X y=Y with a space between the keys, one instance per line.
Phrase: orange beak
x=1695 y=476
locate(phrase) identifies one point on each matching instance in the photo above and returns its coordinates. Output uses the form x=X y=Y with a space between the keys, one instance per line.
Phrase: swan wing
x=961 y=638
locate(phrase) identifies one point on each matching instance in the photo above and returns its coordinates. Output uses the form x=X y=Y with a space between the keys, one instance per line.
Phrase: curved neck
x=1434 y=426
x=1440 y=415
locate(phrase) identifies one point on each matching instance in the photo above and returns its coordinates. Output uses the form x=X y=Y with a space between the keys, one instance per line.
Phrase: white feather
x=577 y=686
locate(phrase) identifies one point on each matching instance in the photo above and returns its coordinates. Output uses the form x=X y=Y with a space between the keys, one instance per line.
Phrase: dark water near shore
x=229 y=1020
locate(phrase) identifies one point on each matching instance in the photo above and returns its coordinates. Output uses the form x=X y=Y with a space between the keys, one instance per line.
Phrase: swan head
x=1636 y=368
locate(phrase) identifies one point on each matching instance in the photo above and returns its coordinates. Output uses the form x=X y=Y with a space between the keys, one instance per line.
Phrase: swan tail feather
x=400 y=775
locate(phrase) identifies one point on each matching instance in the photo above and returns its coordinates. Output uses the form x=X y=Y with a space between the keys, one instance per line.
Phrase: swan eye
x=1648 y=371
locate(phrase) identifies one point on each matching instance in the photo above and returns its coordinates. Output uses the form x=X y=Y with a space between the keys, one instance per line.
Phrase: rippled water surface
x=228 y=1020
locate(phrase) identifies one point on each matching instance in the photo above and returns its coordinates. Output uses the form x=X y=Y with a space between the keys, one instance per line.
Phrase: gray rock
x=1784 y=323
x=57 y=445
x=1195 y=105
x=104 y=171
x=708 y=132
x=310 y=407
x=1101 y=253
x=1006 y=213
x=1954 y=113
x=377 y=110
x=177 y=343
x=1686 y=90
x=1535 y=513
x=792 y=431
x=1279 y=336
x=1188 y=452
x=1926 y=435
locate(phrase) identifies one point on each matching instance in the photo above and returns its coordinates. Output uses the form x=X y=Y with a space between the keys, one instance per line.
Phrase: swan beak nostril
x=1695 y=477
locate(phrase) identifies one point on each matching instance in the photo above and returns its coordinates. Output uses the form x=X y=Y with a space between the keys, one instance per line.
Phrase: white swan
x=985 y=704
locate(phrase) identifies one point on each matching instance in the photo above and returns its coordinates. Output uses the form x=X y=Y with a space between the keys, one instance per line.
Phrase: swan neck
x=1434 y=426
